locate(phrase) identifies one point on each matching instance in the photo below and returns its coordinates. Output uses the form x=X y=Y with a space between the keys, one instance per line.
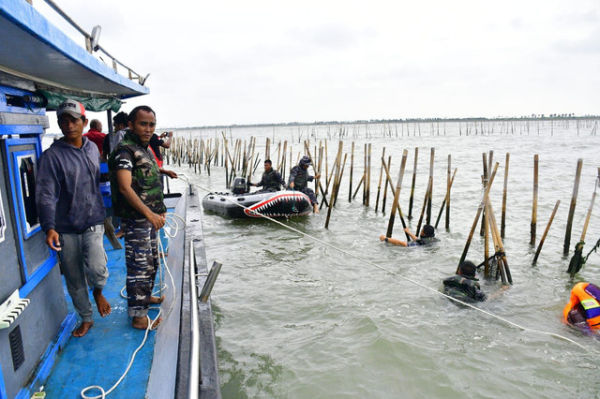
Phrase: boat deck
x=101 y=356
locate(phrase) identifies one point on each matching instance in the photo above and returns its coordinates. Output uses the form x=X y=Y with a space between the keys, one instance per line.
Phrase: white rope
x=511 y=323
x=171 y=231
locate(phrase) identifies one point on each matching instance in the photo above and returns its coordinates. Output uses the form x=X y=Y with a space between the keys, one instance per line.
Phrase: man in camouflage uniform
x=299 y=179
x=138 y=200
x=271 y=179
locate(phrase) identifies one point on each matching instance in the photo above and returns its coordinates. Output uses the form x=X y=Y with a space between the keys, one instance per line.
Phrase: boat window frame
x=27 y=231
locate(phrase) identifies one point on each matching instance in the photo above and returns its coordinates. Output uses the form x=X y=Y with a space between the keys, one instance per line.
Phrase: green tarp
x=93 y=104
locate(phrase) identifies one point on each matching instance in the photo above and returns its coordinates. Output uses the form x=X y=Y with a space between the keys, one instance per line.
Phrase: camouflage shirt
x=131 y=155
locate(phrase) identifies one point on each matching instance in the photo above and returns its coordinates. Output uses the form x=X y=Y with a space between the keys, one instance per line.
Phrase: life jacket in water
x=588 y=296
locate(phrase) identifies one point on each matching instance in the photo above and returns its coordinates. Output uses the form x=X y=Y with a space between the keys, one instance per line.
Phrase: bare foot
x=316 y=209
x=142 y=323
x=119 y=234
x=156 y=300
x=101 y=302
x=83 y=328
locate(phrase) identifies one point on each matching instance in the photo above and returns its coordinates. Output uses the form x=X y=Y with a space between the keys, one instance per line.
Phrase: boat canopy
x=62 y=68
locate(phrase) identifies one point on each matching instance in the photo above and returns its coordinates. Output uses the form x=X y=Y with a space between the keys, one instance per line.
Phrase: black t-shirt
x=156 y=142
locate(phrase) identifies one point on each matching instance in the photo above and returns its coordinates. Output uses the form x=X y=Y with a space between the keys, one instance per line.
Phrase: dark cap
x=305 y=160
x=468 y=269
x=428 y=231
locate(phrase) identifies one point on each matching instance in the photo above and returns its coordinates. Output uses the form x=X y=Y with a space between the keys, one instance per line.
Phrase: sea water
x=298 y=319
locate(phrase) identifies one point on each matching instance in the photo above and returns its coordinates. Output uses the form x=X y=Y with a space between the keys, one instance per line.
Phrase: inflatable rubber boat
x=242 y=204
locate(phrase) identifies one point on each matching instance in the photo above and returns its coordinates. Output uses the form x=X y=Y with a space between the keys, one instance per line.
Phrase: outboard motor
x=239 y=186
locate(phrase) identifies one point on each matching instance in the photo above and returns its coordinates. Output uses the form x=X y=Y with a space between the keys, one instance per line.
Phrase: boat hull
x=275 y=204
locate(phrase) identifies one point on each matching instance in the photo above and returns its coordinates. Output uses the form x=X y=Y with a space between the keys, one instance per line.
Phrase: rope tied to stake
x=498 y=254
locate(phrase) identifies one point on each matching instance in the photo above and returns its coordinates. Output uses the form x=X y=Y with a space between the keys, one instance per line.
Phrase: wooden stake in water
x=535 y=200
x=541 y=244
x=425 y=201
x=368 y=185
x=503 y=220
x=477 y=215
x=385 y=186
x=351 y=172
x=390 y=228
x=388 y=179
x=430 y=195
x=448 y=186
x=437 y=221
x=412 y=187
x=572 y=207
x=379 y=183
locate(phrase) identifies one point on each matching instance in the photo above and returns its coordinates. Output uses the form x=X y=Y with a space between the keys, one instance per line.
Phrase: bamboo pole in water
x=337 y=188
x=572 y=207
x=503 y=268
x=360 y=183
x=388 y=179
x=364 y=198
x=319 y=182
x=425 y=200
x=504 y=192
x=449 y=179
x=268 y=149
x=484 y=179
x=541 y=244
x=430 y=195
x=477 y=215
x=412 y=187
x=368 y=194
x=535 y=200
x=385 y=186
x=335 y=182
x=379 y=183
x=390 y=228
x=445 y=199
x=351 y=171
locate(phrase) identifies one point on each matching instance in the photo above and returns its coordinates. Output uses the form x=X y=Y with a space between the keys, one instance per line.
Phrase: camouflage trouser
x=141 y=258
x=311 y=194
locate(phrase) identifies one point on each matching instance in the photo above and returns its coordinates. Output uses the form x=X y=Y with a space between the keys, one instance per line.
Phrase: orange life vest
x=589 y=303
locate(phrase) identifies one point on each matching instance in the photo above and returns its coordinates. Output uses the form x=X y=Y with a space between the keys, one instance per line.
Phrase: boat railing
x=91 y=44
x=195 y=352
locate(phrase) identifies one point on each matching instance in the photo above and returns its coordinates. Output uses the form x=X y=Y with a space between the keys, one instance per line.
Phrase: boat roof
x=35 y=50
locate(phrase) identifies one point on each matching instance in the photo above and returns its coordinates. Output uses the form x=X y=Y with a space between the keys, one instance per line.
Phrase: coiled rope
x=184 y=178
x=171 y=229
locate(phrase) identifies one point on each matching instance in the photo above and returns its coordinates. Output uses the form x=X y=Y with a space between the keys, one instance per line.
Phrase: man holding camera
x=164 y=141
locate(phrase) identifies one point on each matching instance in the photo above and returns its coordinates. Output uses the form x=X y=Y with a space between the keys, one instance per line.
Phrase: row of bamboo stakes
x=240 y=158
x=368 y=130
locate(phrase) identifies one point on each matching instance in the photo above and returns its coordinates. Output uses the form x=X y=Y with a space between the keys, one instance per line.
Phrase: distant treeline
x=533 y=117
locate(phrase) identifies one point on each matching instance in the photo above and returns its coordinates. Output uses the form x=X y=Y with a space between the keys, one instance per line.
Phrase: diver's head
x=467 y=269
x=428 y=231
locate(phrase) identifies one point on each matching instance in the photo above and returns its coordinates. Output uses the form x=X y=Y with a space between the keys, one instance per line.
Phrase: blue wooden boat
x=40 y=67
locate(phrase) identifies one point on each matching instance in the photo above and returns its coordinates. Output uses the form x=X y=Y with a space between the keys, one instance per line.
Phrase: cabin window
x=25 y=162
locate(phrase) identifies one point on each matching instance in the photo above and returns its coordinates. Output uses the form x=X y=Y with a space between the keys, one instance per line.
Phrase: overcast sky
x=225 y=62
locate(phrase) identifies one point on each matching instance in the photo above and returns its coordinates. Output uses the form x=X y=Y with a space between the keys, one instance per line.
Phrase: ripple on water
x=299 y=320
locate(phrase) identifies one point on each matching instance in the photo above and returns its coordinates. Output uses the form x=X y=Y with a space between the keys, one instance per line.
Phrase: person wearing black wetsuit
x=299 y=179
x=464 y=285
